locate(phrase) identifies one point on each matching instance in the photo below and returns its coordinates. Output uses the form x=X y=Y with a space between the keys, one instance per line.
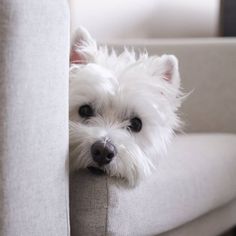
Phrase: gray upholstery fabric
x=88 y=204
x=34 y=56
x=214 y=223
x=197 y=177
x=207 y=68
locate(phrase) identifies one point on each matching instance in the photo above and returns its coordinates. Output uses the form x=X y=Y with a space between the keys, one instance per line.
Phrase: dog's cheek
x=132 y=164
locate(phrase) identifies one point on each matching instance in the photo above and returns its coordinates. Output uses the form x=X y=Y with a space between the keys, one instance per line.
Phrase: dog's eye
x=135 y=124
x=86 y=111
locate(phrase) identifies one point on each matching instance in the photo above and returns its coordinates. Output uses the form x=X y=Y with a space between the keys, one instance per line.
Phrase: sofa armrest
x=34 y=117
x=197 y=176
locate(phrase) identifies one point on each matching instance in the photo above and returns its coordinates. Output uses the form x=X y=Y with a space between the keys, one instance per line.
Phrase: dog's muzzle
x=103 y=151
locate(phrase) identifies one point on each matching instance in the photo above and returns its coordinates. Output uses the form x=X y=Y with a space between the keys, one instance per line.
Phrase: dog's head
x=122 y=109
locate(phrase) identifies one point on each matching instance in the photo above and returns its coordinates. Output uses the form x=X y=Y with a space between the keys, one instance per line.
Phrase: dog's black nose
x=103 y=152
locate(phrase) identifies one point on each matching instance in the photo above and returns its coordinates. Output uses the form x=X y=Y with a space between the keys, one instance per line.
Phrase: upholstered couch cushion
x=213 y=223
x=196 y=177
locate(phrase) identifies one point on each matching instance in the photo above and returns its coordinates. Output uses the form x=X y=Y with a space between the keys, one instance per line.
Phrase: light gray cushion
x=196 y=177
x=207 y=68
x=34 y=52
x=213 y=223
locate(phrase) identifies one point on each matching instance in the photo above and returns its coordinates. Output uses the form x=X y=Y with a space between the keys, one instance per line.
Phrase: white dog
x=122 y=109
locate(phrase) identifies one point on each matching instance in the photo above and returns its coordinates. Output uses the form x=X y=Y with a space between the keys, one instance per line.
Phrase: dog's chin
x=96 y=171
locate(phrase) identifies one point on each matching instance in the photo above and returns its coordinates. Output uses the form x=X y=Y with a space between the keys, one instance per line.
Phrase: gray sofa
x=192 y=193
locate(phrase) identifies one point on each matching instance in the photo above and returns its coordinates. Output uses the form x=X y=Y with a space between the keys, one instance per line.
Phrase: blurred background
x=129 y=19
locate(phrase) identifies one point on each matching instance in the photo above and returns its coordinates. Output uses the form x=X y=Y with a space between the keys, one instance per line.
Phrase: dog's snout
x=103 y=152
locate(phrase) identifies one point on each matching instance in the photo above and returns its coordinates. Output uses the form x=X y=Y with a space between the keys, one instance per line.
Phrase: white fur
x=120 y=87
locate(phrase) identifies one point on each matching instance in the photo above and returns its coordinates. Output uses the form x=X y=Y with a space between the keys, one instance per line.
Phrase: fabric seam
x=107 y=201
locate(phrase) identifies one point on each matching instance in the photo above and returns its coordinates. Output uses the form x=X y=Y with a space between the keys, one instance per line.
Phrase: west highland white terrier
x=122 y=109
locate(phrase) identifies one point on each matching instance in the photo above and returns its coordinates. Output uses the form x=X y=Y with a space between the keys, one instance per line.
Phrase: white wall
x=107 y=19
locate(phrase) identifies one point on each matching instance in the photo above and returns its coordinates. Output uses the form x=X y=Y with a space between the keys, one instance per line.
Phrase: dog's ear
x=83 y=47
x=168 y=69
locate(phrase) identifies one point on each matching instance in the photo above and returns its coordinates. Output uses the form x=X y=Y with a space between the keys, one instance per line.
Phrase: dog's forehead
x=93 y=73
x=92 y=79
x=125 y=92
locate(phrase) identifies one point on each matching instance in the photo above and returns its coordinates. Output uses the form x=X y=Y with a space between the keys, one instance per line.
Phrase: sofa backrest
x=208 y=71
